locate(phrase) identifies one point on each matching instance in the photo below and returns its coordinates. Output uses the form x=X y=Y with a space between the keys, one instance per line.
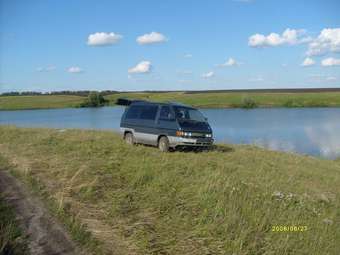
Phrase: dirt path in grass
x=45 y=234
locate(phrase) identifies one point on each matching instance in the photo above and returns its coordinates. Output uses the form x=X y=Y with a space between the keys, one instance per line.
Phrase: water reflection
x=277 y=145
x=313 y=131
x=326 y=137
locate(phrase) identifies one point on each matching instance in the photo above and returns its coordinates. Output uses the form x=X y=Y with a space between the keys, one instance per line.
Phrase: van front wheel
x=163 y=144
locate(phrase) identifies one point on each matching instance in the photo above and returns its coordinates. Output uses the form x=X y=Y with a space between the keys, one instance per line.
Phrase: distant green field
x=234 y=100
x=39 y=102
x=204 y=100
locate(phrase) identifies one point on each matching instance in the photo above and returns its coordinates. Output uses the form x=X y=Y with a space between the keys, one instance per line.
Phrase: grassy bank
x=39 y=102
x=136 y=200
x=206 y=100
x=11 y=239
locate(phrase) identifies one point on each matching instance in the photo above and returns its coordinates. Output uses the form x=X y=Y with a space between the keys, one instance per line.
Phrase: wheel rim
x=162 y=145
x=129 y=139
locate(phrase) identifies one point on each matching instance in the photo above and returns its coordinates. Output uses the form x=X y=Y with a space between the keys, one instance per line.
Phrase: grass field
x=137 y=200
x=206 y=100
x=39 y=102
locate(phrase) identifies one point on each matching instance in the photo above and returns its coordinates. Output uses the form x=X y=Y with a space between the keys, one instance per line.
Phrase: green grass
x=224 y=201
x=39 y=102
x=11 y=240
x=206 y=100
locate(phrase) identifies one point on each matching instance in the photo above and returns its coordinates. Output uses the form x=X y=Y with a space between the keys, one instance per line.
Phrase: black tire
x=129 y=139
x=163 y=144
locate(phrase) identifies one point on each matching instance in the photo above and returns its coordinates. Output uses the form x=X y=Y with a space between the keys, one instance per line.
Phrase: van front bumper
x=182 y=141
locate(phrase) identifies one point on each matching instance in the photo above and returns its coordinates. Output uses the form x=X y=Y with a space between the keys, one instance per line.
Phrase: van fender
x=172 y=139
x=123 y=131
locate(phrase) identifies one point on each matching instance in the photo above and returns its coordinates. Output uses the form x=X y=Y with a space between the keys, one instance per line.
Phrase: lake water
x=313 y=131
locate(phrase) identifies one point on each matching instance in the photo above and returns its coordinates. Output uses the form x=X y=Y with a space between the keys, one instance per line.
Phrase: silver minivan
x=165 y=125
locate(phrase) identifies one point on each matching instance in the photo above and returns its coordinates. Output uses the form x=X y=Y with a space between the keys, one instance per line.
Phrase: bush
x=291 y=103
x=94 y=99
x=248 y=103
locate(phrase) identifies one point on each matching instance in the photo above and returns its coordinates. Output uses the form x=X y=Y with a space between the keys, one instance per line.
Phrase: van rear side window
x=145 y=112
x=149 y=112
x=133 y=112
x=165 y=113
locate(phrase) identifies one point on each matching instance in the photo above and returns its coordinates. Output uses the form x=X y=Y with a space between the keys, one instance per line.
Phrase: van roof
x=141 y=102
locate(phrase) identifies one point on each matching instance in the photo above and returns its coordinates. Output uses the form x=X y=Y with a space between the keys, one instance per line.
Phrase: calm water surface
x=314 y=131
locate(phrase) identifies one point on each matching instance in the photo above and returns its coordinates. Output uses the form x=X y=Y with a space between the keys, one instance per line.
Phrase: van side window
x=149 y=112
x=133 y=112
x=165 y=113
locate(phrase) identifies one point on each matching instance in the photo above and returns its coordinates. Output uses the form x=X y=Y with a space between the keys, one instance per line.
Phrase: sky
x=130 y=45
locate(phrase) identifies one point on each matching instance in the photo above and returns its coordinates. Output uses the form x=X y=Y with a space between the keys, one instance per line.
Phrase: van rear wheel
x=129 y=139
x=163 y=144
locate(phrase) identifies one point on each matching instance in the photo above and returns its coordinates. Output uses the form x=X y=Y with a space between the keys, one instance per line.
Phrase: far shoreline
x=198 y=107
x=213 y=99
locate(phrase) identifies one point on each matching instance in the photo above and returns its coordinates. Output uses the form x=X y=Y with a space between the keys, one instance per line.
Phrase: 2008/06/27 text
x=278 y=228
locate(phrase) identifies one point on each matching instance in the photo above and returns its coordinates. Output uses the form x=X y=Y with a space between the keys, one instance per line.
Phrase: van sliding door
x=146 y=131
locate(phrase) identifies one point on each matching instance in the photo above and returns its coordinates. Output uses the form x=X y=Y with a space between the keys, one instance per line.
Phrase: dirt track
x=45 y=235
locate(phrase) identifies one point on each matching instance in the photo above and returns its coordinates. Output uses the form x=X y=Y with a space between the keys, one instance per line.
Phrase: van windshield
x=184 y=113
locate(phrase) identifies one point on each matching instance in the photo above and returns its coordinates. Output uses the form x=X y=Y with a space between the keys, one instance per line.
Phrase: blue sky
x=168 y=45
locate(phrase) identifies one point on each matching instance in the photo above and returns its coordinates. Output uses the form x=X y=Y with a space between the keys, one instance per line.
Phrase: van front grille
x=197 y=135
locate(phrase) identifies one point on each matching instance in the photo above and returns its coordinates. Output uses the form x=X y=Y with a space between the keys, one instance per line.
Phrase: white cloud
x=153 y=37
x=256 y=79
x=230 y=62
x=208 y=75
x=188 y=55
x=322 y=78
x=330 y=62
x=46 y=69
x=289 y=36
x=308 y=62
x=103 y=39
x=330 y=78
x=327 y=41
x=75 y=69
x=141 y=67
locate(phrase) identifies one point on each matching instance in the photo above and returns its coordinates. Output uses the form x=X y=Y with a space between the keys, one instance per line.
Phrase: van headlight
x=181 y=133
x=208 y=135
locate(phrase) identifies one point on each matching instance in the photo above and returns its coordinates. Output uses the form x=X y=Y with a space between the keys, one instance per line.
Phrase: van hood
x=191 y=125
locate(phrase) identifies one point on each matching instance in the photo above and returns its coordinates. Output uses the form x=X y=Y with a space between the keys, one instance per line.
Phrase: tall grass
x=58 y=207
x=11 y=239
x=225 y=201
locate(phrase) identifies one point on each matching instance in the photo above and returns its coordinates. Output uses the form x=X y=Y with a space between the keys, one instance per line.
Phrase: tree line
x=84 y=93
